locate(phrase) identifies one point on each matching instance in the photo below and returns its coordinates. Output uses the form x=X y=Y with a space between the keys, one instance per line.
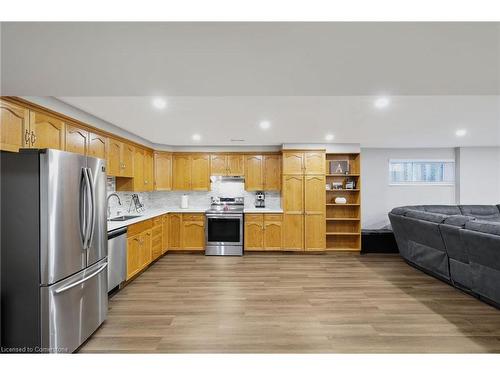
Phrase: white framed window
x=421 y=172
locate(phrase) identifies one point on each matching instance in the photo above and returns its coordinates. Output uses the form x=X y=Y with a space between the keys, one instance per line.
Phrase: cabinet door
x=175 y=231
x=314 y=162
x=127 y=160
x=165 y=233
x=315 y=237
x=76 y=140
x=181 y=172
x=293 y=232
x=272 y=234
x=235 y=165
x=193 y=235
x=14 y=127
x=293 y=162
x=200 y=169
x=146 y=249
x=314 y=194
x=254 y=232
x=163 y=171
x=253 y=173
x=272 y=172
x=98 y=146
x=138 y=183
x=114 y=157
x=46 y=131
x=133 y=255
x=293 y=194
x=148 y=170
x=218 y=165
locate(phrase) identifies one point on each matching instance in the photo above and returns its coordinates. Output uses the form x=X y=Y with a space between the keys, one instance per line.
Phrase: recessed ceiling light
x=265 y=124
x=460 y=132
x=196 y=137
x=329 y=137
x=382 y=102
x=159 y=103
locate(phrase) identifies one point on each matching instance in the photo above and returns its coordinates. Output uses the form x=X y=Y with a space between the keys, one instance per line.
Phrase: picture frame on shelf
x=339 y=167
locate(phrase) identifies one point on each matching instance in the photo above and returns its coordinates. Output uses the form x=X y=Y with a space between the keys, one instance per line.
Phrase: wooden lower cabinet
x=133 y=251
x=157 y=238
x=165 y=233
x=315 y=237
x=146 y=255
x=174 y=232
x=193 y=231
x=139 y=251
x=263 y=232
x=293 y=232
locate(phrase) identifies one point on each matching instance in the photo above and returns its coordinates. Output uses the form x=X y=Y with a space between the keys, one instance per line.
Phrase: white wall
x=479 y=175
x=378 y=197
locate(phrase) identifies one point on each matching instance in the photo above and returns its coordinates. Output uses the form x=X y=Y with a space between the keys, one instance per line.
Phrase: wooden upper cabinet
x=314 y=194
x=218 y=165
x=200 y=170
x=46 y=131
x=293 y=162
x=293 y=191
x=148 y=170
x=181 y=176
x=98 y=146
x=127 y=160
x=14 y=127
x=253 y=173
x=77 y=140
x=163 y=171
x=138 y=181
x=314 y=162
x=235 y=165
x=272 y=172
x=114 y=157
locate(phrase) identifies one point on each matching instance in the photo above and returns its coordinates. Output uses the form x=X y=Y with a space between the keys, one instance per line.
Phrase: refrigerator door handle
x=92 y=194
x=83 y=207
x=64 y=288
x=88 y=209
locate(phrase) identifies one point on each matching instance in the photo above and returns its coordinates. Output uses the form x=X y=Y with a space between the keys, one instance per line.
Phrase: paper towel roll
x=185 y=201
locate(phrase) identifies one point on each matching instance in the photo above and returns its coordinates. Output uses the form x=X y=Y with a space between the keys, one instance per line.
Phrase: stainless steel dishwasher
x=117 y=257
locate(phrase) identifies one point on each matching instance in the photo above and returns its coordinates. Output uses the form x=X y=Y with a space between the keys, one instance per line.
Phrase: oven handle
x=223 y=216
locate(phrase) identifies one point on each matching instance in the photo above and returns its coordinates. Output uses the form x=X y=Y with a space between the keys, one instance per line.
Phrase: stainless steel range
x=224 y=227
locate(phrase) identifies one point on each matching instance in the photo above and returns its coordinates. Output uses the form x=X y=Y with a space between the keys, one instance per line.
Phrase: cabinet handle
x=27 y=137
x=33 y=138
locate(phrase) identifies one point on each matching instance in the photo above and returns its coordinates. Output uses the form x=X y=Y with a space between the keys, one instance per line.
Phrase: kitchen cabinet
x=293 y=162
x=193 y=231
x=314 y=162
x=293 y=229
x=157 y=238
x=254 y=180
x=14 y=127
x=191 y=172
x=314 y=229
x=133 y=254
x=304 y=162
x=314 y=210
x=174 y=233
x=120 y=159
x=143 y=173
x=148 y=170
x=165 y=233
x=272 y=172
x=145 y=258
x=98 y=146
x=273 y=231
x=200 y=179
x=77 y=139
x=46 y=131
x=227 y=164
x=162 y=171
x=293 y=194
x=139 y=252
x=254 y=231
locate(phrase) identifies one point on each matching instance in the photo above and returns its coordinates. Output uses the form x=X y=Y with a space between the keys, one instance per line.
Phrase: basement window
x=421 y=172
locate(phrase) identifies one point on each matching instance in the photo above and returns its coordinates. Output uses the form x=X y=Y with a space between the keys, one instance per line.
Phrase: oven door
x=224 y=230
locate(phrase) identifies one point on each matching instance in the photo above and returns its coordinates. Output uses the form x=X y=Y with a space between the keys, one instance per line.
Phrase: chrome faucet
x=119 y=202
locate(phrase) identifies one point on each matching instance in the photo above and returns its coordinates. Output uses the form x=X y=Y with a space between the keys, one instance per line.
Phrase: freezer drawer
x=74 y=308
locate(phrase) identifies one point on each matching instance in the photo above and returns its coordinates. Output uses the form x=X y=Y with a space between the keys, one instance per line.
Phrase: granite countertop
x=151 y=213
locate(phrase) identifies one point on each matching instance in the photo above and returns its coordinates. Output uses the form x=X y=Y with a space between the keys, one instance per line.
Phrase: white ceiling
x=410 y=121
x=221 y=79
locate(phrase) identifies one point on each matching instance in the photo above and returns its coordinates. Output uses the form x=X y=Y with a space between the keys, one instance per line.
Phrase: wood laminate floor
x=291 y=303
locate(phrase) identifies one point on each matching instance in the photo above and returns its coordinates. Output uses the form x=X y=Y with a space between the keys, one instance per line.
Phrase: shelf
x=342 y=249
x=344 y=190
x=343 y=219
x=343 y=175
x=343 y=204
x=343 y=233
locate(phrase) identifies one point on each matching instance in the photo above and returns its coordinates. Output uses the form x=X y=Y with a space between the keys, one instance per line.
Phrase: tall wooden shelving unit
x=343 y=221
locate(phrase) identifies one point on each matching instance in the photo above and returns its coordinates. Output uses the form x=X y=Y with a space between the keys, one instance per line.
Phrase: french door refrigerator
x=54 y=250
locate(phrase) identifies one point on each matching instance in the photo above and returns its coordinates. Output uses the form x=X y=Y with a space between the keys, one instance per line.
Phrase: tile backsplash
x=197 y=199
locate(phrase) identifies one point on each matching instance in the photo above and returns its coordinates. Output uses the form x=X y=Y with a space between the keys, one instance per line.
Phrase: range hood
x=227 y=179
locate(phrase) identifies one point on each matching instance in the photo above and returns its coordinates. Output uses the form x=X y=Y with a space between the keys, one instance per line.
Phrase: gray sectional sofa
x=457 y=244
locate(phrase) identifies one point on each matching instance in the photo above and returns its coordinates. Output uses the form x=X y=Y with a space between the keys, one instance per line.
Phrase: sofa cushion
x=483 y=226
x=443 y=209
x=426 y=216
x=402 y=210
x=483 y=212
x=458 y=220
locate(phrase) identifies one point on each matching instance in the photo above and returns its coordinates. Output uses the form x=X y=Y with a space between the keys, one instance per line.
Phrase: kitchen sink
x=124 y=218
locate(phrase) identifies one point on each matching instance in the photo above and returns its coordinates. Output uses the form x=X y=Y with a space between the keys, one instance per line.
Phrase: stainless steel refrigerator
x=54 y=250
